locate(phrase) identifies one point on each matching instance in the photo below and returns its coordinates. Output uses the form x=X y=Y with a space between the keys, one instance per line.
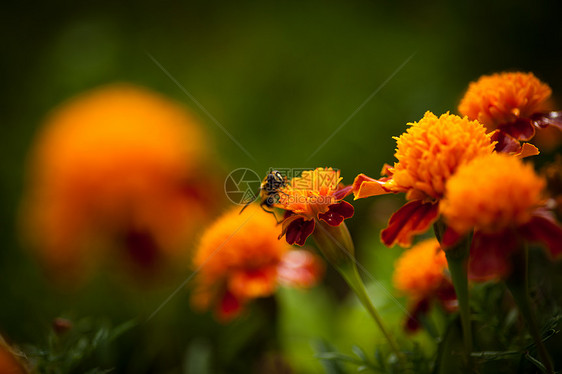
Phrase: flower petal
x=527 y=150
x=543 y=120
x=252 y=283
x=522 y=129
x=450 y=238
x=413 y=218
x=489 y=255
x=415 y=313
x=545 y=230
x=343 y=192
x=229 y=307
x=364 y=186
x=300 y=268
x=337 y=213
x=505 y=143
x=297 y=229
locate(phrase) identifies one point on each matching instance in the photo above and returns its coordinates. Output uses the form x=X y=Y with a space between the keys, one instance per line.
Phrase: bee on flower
x=316 y=196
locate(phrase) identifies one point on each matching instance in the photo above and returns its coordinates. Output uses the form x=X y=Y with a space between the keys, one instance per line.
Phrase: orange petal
x=413 y=218
x=364 y=186
x=527 y=150
x=252 y=283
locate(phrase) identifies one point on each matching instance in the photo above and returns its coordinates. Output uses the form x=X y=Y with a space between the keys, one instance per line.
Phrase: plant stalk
x=518 y=284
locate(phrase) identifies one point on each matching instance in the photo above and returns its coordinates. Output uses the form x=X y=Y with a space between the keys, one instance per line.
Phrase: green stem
x=457 y=268
x=351 y=276
x=457 y=261
x=518 y=284
x=336 y=245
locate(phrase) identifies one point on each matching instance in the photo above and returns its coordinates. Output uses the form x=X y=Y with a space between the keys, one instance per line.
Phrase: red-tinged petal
x=289 y=217
x=545 y=230
x=297 y=229
x=450 y=238
x=489 y=254
x=414 y=315
x=505 y=143
x=522 y=129
x=229 y=307
x=364 y=186
x=337 y=213
x=543 y=120
x=343 y=192
x=300 y=268
x=447 y=296
x=413 y=218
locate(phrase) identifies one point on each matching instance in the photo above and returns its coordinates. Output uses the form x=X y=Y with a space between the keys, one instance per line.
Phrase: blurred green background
x=281 y=77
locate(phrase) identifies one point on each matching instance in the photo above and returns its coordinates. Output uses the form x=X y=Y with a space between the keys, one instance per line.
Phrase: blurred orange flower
x=240 y=258
x=117 y=167
x=315 y=195
x=428 y=154
x=501 y=199
x=514 y=103
x=421 y=274
x=11 y=362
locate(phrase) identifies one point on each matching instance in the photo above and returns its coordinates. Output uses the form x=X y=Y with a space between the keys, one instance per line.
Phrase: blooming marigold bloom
x=240 y=258
x=315 y=195
x=514 y=103
x=117 y=167
x=421 y=274
x=501 y=199
x=428 y=154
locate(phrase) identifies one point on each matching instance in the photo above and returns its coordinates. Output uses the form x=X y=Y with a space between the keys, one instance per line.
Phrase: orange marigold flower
x=117 y=167
x=240 y=258
x=501 y=198
x=428 y=154
x=515 y=103
x=421 y=274
x=315 y=195
x=420 y=269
